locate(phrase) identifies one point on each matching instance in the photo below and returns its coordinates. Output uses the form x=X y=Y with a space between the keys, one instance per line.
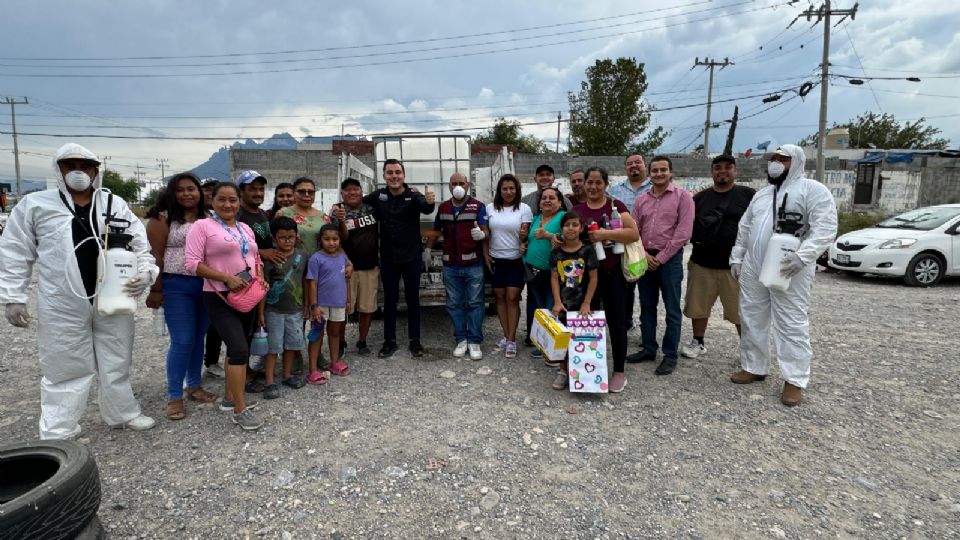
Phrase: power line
x=859 y=61
x=566 y=41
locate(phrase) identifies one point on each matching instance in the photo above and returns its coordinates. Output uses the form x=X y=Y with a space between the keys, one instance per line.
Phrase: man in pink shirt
x=664 y=216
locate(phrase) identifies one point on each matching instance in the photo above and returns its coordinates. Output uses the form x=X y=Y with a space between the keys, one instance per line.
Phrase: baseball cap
x=248 y=177
x=724 y=158
x=781 y=152
x=544 y=167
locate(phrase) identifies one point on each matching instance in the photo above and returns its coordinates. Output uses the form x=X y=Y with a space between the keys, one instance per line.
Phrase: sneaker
x=642 y=356
x=475 y=352
x=247 y=420
x=511 y=350
x=362 y=348
x=460 y=349
x=215 y=371
x=535 y=353
x=272 y=391
x=560 y=381
x=139 y=423
x=389 y=347
x=667 y=366
x=693 y=349
x=228 y=405
x=501 y=344
x=416 y=349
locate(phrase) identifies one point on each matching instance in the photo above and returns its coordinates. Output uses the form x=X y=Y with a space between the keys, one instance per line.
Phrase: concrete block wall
x=287 y=165
x=940 y=182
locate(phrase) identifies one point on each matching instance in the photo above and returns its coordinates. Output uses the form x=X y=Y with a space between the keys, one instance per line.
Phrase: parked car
x=921 y=245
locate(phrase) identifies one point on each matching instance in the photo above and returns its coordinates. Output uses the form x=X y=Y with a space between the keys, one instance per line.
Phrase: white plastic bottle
x=615 y=224
x=119 y=266
x=778 y=247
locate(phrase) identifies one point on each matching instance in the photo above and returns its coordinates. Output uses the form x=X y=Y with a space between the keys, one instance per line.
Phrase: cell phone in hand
x=245 y=276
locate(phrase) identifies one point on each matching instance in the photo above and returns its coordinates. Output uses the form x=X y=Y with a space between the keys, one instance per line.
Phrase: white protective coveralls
x=76 y=343
x=787 y=309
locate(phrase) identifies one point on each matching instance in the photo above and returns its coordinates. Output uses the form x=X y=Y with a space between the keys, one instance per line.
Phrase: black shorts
x=507 y=273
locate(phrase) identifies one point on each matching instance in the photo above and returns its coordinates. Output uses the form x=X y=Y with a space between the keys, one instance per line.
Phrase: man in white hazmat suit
x=812 y=202
x=76 y=342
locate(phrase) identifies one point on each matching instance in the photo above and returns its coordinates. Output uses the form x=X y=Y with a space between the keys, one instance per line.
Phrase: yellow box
x=550 y=335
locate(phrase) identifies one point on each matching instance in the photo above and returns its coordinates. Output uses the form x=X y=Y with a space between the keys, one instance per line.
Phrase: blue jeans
x=187 y=322
x=664 y=281
x=390 y=275
x=464 y=287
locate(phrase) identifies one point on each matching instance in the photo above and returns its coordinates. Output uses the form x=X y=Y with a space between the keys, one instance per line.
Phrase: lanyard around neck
x=242 y=239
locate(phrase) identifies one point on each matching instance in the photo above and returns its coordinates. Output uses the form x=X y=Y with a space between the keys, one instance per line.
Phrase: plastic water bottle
x=159 y=324
x=616 y=223
x=597 y=246
x=259 y=345
x=779 y=246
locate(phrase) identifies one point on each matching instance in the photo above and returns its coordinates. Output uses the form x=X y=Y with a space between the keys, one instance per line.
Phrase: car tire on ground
x=48 y=490
x=924 y=270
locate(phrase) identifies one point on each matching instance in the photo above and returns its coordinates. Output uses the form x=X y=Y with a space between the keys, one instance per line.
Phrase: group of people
x=222 y=267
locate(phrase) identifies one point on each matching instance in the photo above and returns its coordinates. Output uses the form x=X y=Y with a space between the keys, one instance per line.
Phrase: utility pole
x=139 y=174
x=103 y=163
x=16 y=149
x=823 y=13
x=709 y=64
x=558 y=131
x=162 y=164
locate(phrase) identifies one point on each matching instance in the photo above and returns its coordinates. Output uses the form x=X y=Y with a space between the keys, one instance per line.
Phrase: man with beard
x=577 y=195
x=718 y=212
x=789 y=192
x=252 y=187
x=544 y=177
x=627 y=192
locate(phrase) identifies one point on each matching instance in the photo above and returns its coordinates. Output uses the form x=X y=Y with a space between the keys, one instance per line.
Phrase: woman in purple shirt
x=611 y=286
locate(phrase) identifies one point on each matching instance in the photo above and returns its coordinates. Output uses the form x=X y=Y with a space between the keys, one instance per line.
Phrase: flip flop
x=200 y=395
x=340 y=368
x=254 y=387
x=317 y=377
x=293 y=382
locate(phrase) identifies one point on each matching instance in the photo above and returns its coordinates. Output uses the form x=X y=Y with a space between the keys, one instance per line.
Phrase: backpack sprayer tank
x=119 y=266
x=783 y=242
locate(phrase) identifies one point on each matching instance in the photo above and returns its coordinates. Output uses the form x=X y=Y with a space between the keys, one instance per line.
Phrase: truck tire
x=48 y=490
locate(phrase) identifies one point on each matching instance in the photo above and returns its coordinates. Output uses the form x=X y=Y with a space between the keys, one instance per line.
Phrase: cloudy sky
x=226 y=69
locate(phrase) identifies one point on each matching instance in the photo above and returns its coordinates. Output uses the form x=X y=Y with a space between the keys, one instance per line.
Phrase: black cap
x=724 y=158
x=350 y=182
x=544 y=167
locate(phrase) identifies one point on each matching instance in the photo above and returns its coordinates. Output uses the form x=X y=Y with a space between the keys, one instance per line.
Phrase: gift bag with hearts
x=588 y=352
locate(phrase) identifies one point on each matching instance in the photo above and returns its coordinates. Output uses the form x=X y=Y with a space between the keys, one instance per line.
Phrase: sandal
x=200 y=395
x=317 y=377
x=293 y=382
x=340 y=368
x=176 y=410
x=254 y=387
x=561 y=381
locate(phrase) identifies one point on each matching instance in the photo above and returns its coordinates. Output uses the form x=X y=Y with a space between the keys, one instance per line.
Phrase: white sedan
x=921 y=245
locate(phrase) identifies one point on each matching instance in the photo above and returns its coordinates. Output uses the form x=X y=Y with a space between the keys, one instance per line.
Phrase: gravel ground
x=445 y=448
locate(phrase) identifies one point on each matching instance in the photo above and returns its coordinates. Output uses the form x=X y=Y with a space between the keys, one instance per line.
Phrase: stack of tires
x=48 y=490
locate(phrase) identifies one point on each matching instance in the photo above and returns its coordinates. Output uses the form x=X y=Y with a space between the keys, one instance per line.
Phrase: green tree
x=127 y=190
x=509 y=132
x=151 y=198
x=732 y=133
x=607 y=115
x=872 y=130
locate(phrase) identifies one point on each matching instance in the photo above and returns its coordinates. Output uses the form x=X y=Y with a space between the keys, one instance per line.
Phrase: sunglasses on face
x=306 y=192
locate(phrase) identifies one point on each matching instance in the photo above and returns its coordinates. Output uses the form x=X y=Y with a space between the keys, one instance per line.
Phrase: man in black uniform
x=718 y=213
x=397 y=209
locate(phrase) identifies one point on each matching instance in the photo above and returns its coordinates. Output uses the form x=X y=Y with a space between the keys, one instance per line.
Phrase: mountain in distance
x=218 y=165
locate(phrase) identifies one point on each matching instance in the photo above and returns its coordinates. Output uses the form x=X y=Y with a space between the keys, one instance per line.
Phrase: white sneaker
x=139 y=423
x=215 y=371
x=693 y=349
x=460 y=349
x=475 y=352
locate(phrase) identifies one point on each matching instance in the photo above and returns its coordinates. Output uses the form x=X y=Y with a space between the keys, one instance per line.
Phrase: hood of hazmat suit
x=787 y=309
x=75 y=342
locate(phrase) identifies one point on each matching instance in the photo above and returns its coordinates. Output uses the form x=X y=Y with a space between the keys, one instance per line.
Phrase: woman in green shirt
x=536 y=255
x=309 y=219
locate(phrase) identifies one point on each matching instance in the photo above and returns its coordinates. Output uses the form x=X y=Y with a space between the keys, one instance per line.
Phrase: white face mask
x=775 y=169
x=77 y=180
x=458 y=192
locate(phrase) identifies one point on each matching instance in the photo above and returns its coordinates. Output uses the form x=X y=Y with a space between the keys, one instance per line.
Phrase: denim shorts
x=284 y=332
x=507 y=273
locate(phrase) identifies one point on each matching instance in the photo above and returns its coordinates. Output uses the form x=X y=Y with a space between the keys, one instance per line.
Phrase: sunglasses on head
x=306 y=192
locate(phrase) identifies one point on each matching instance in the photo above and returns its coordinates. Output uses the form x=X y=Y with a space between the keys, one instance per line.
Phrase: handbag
x=530 y=272
x=247 y=298
x=633 y=261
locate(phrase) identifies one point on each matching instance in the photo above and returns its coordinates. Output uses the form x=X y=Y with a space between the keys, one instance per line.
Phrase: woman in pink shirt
x=223 y=251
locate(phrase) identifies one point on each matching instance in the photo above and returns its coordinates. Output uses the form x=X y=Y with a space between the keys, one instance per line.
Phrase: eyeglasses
x=306 y=192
